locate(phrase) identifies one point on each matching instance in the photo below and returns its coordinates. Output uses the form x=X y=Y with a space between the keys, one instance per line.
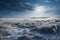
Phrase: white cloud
x=40 y=11
x=46 y=1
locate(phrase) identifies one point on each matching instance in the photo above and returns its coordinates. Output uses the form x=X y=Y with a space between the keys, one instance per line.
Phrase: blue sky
x=29 y=8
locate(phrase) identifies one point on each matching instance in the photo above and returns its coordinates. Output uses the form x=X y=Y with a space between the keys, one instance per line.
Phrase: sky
x=29 y=8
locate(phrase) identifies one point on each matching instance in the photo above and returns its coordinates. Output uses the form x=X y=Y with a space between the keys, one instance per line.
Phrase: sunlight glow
x=39 y=11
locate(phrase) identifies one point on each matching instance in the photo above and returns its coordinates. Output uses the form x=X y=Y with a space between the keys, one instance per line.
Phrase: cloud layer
x=10 y=8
